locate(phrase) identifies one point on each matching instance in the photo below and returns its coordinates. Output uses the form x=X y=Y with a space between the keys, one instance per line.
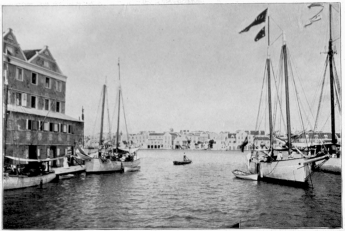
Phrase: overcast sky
x=183 y=66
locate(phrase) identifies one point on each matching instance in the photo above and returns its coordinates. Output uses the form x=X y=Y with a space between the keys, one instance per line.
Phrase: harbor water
x=202 y=195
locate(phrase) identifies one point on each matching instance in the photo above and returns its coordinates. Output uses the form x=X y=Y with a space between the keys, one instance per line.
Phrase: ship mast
x=101 y=133
x=269 y=87
x=118 y=112
x=330 y=57
x=286 y=74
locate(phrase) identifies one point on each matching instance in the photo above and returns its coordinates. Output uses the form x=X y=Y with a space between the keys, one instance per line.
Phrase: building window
x=64 y=128
x=46 y=105
x=33 y=101
x=47 y=82
x=19 y=99
x=9 y=50
x=56 y=127
x=58 y=86
x=46 y=126
x=34 y=78
x=45 y=63
x=19 y=74
x=51 y=127
x=40 y=125
x=28 y=124
x=57 y=106
x=70 y=129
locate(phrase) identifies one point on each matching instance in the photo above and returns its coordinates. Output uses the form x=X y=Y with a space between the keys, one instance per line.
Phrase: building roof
x=44 y=113
x=30 y=53
x=156 y=134
x=262 y=138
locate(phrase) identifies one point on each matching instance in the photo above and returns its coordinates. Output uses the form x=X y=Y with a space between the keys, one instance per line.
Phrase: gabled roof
x=30 y=53
x=10 y=40
x=38 y=56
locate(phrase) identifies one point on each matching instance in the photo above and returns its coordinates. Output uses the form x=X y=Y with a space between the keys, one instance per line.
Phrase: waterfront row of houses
x=194 y=140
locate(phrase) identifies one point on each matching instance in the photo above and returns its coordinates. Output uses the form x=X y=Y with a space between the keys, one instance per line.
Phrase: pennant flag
x=317 y=16
x=260 y=35
x=315 y=4
x=259 y=19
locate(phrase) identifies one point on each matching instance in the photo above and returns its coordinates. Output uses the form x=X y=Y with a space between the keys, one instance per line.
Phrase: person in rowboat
x=185 y=158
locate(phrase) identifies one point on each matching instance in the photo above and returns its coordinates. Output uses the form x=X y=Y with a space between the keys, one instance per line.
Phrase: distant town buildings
x=225 y=141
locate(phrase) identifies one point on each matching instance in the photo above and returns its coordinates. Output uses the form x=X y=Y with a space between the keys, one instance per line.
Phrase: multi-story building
x=155 y=141
x=37 y=126
x=232 y=141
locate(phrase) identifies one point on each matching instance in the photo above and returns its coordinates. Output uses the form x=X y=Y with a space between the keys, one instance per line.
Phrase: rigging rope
x=262 y=88
x=124 y=115
x=109 y=124
x=99 y=104
x=305 y=97
x=296 y=94
x=338 y=87
x=321 y=94
x=278 y=101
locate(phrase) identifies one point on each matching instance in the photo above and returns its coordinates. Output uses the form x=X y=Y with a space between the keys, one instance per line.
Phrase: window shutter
x=52 y=105
x=34 y=125
x=46 y=126
x=24 y=99
x=56 y=129
x=38 y=152
x=27 y=124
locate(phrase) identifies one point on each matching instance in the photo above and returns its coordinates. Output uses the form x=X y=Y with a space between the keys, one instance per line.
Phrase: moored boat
x=23 y=181
x=182 y=162
x=264 y=161
x=245 y=175
x=29 y=175
x=111 y=159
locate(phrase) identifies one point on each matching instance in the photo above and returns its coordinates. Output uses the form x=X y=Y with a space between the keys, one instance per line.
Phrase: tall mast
x=330 y=56
x=286 y=73
x=269 y=87
x=118 y=111
x=101 y=133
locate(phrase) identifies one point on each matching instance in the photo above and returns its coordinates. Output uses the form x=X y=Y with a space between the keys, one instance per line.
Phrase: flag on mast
x=259 y=19
x=317 y=16
x=260 y=35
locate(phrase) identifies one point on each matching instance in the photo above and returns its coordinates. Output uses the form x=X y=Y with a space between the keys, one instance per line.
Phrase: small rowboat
x=182 y=162
x=245 y=175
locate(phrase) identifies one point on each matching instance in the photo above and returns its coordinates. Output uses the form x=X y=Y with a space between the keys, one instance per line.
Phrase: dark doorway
x=53 y=154
x=32 y=155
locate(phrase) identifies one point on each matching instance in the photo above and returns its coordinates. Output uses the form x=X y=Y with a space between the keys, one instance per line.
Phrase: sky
x=183 y=66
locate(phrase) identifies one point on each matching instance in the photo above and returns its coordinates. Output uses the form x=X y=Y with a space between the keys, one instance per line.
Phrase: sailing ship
x=331 y=147
x=293 y=166
x=19 y=175
x=112 y=158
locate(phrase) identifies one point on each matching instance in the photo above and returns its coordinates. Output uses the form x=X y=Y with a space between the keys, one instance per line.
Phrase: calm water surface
x=202 y=195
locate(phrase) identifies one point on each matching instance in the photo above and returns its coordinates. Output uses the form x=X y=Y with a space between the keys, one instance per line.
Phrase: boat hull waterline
x=182 y=162
x=20 y=181
x=245 y=176
x=98 y=165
